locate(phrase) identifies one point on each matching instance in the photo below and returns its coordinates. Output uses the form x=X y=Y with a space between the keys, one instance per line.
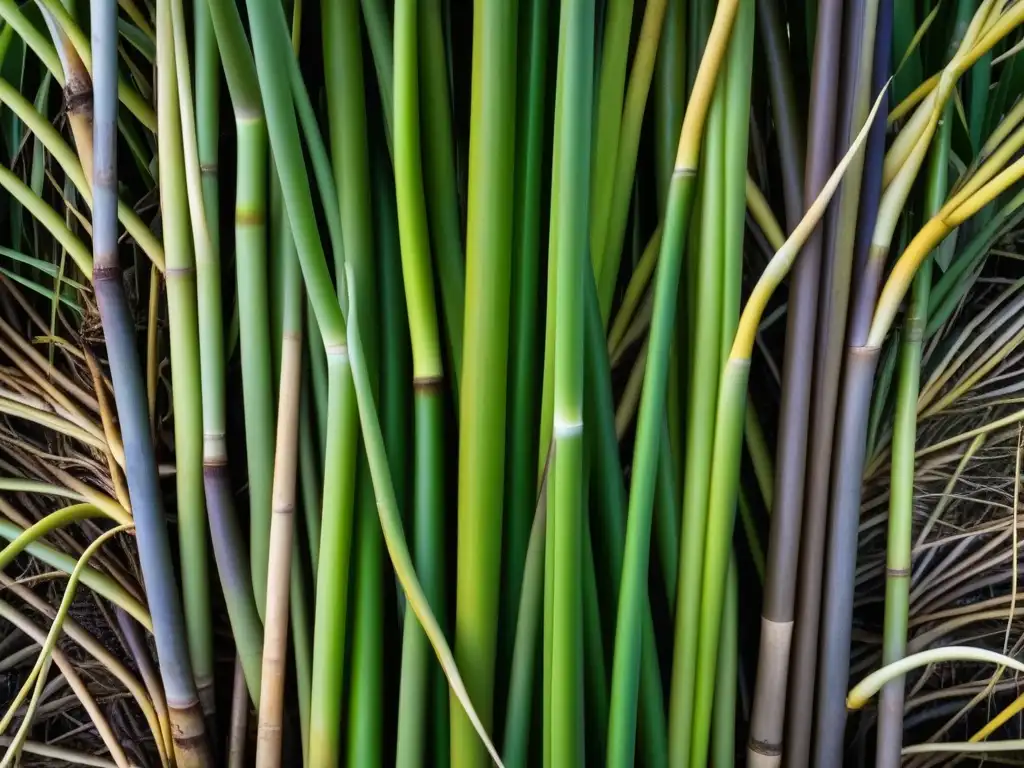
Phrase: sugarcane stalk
x=901 y=499
x=628 y=632
x=483 y=385
x=565 y=516
x=419 y=679
x=188 y=728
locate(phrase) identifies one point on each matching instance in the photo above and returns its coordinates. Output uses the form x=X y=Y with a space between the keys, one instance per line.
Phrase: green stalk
x=628 y=629
x=735 y=90
x=183 y=321
x=421 y=690
x=439 y=178
x=485 y=362
x=396 y=346
x=366 y=698
x=705 y=367
x=574 y=83
x=252 y=290
x=379 y=30
x=669 y=94
x=614 y=54
x=523 y=677
x=723 y=729
x=609 y=495
x=97 y=581
x=339 y=493
x=521 y=489
x=612 y=211
x=591 y=667
x=901 y=498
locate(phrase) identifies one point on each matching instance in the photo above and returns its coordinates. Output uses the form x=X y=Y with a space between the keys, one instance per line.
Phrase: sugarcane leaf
x=943 y=254
x=42 y=290
x=138 y=39
x=46 y=267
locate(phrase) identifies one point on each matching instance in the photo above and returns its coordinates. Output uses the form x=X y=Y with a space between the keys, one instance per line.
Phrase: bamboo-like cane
x=482 y=426
x=565 y=523
x=628 y=630
x=901 y=499
x=419 y=679
x=188 y=729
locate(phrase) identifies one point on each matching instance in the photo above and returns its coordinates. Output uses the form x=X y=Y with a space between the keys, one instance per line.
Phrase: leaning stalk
x=190 y=744
x=628 y=632
x=183 y=320
x=485 y=362
x=280 y=564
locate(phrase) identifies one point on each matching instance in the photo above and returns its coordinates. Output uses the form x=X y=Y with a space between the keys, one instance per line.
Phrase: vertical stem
x=901 y=498
x=418 y=694
x=793 y=530
x=343 y=71
x=485 y=363
x=523 y=677
x=254 y=338
x=574 y=82
x=521 y=480
x=723 y=733
x=439 y=179
x=705 y=368
x=183 y=319
x=721 y=521
x=851 y=437
x=189 y=732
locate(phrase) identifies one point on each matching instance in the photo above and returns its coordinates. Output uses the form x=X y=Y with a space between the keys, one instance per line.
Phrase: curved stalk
x=95 y=580
x=69 y=163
